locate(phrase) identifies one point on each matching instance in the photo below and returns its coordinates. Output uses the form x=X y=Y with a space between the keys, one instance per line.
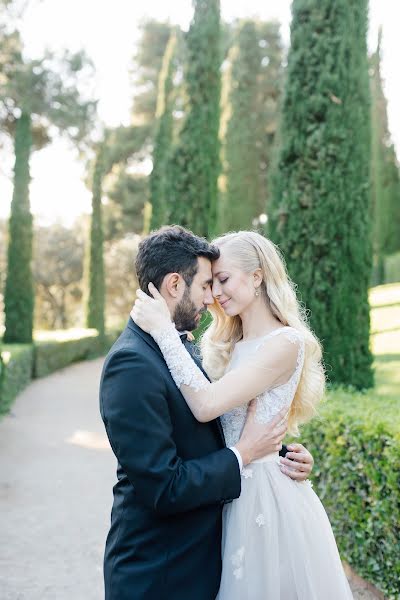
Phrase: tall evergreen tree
x=96 y=297
x=194 y=167
x=34 y=98
x=269 y=99
x=385 y=180
x=250 y=103
x=164 y=137
x=148 y=62
x=321 y=211
x=19 y=293
x=241 y=153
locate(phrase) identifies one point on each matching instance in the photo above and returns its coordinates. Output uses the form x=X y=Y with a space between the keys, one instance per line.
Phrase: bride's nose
x=216 y=290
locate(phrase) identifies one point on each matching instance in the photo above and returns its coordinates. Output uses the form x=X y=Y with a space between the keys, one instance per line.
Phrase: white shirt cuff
x=239 y=458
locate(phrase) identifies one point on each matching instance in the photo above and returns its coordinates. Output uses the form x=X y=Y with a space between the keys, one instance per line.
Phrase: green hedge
x=53 y=354
x=15 y=372
x=53 y=351
x=356 y=445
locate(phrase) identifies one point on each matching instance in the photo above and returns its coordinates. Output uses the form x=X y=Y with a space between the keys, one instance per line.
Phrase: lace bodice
x=277 y=359
x=270 y=402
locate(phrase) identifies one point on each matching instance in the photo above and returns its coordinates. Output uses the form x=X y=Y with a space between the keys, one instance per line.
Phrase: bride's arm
x=273 y=364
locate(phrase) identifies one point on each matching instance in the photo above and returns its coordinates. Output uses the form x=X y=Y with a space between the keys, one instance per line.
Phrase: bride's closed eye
x=223 y=280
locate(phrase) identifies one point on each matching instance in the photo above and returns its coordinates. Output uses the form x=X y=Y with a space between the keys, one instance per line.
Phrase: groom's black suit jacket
x=174 y=475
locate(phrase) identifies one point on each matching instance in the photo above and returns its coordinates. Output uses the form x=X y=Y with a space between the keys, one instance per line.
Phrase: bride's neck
x=257 y=319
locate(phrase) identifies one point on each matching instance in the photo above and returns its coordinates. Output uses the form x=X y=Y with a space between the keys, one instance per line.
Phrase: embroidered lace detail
x=272 y=401
x=183 y=369
x=260 y=520
x=237 y=562
x=247 y=473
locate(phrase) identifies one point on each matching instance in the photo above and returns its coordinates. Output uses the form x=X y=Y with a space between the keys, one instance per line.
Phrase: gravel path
x=56 y=478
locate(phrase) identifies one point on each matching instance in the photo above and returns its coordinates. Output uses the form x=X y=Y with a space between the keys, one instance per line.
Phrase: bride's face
x=234 y=289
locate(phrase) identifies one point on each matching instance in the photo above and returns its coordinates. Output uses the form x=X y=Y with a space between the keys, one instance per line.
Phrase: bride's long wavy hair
x=251 y=251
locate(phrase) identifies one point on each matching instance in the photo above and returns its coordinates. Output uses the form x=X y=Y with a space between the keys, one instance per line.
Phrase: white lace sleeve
x=274 y=363
x=183 y=369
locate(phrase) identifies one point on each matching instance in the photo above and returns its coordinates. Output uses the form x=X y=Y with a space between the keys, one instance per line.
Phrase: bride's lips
x=224 y=303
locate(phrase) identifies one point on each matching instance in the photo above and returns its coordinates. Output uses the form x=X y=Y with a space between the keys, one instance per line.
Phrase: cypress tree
x=163 y=139
x=241 y=153
x=385 y=181
x=250 y=97
x=194 y=166
x=96 y=296
x=269 y=99
x=36 y=91
x=19 y=294
x=320 y=214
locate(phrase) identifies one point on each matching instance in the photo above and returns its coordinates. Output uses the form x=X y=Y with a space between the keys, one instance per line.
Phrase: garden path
x=56 y=478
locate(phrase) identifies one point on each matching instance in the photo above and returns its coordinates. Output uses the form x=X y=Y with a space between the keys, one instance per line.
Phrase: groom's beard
x=186 y=312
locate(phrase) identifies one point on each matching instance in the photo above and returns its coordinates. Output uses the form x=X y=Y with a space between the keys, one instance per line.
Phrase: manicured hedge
x=356 y=446
x=53 y=354
x=15 y=372
x=53 y=351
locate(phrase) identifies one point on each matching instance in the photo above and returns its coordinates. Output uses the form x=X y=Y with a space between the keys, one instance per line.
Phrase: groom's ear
x=172 y=286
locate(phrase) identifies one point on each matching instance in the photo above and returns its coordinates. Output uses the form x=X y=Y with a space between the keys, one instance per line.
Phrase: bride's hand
x=151 y=314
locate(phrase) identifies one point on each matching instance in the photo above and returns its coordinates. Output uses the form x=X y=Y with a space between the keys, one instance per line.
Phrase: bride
x=277 y=540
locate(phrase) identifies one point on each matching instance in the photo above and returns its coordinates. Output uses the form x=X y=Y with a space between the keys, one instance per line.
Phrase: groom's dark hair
x=171 y=249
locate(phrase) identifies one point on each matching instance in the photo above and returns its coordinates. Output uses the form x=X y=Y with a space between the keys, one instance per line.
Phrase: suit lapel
x=193 y=351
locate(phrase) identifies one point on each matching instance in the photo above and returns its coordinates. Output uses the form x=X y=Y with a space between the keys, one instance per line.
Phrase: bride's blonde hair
x=251 y=251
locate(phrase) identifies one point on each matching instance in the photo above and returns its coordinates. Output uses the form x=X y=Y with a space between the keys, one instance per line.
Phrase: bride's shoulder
x=282 y=333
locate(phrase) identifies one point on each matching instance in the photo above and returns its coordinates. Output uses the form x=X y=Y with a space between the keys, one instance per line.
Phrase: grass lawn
x=382 y=402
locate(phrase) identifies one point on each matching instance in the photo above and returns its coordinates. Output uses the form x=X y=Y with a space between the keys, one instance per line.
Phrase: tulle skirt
x=277 y=541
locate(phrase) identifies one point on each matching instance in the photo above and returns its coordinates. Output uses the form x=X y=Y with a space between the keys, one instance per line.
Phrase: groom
x=174 y=473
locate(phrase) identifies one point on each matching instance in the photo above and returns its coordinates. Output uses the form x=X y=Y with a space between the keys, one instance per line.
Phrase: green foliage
x=19 y=294
x=124 y=212
x=16 y=361
x=250 y=95
x=96 y=296
x=385 y=177
x=194 y=166
x=147 y=66
x=52 y=354
x=34 y=96
x=320 y=214
x=53 y=351
x=240 y=149
x=356 y=443
x=163 y=138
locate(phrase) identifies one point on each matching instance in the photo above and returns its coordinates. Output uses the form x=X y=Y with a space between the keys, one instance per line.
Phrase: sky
x=108 y=31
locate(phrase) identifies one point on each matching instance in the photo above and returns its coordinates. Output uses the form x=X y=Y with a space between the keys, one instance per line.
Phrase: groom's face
x=195 y=298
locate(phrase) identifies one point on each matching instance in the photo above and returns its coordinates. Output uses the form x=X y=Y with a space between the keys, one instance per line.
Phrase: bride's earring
x=257 y=293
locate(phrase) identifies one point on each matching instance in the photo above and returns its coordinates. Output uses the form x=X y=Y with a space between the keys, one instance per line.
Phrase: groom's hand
x=258 y=440
x=298 y=462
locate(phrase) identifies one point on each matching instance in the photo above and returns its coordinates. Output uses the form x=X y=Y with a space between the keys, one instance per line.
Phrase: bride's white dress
x=277 y=540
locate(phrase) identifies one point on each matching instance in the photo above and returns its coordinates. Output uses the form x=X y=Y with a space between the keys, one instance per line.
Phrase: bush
x=57 y=350
x=356 y=445
x=15 y=372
